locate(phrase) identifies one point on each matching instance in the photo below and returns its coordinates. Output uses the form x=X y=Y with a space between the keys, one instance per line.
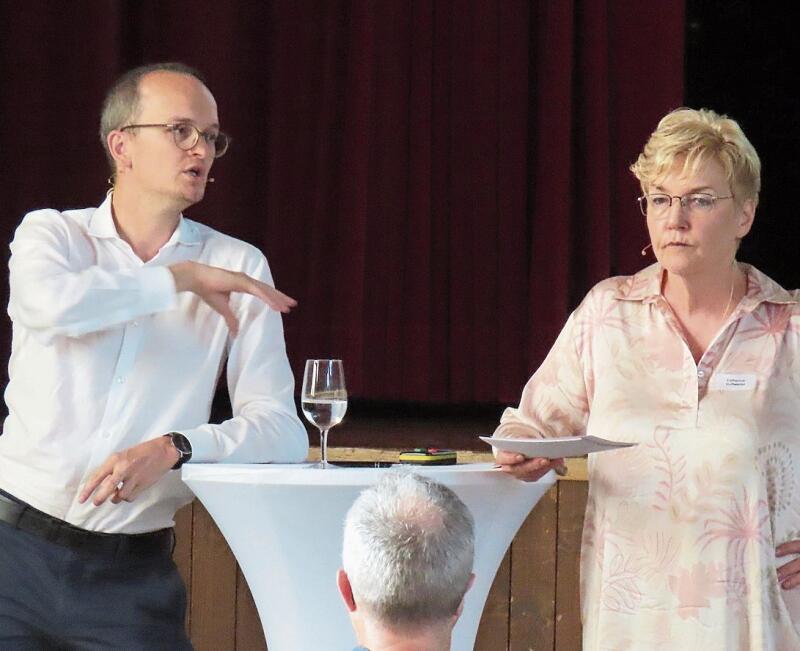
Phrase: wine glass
x=324 y=399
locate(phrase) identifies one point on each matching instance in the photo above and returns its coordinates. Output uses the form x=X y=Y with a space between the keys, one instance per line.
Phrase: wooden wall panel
x=493 y=630
x=249 y=632
x=213 y=597
x=571 y=507
x=533 y=575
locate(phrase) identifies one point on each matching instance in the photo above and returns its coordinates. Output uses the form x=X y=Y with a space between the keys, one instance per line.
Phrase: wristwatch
x=182 y=445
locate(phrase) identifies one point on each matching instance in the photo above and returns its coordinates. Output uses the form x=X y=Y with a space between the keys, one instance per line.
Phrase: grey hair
x=408 y=550
x=122 y=101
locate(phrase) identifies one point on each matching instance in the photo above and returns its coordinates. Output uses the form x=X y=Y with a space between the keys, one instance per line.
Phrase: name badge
x=733 y=382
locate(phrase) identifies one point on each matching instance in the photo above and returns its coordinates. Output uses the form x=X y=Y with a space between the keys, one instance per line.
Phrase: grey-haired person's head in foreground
x=408 y=553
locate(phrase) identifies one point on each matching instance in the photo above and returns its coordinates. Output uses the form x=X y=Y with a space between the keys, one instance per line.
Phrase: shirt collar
x=762 y=289
x=645 y=287
x=101 y=225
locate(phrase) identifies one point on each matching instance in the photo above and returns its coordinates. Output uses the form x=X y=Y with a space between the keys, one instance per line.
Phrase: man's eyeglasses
x=187 y=135
x=658 y=204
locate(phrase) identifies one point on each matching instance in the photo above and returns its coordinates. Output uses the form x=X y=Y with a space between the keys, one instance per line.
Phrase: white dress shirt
x=105 y=355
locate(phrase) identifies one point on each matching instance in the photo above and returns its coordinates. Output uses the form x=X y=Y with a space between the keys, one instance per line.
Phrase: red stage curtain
x=438 y=183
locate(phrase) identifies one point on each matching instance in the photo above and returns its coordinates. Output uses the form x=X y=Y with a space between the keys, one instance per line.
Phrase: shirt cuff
x=203 y=445
x=158 y=289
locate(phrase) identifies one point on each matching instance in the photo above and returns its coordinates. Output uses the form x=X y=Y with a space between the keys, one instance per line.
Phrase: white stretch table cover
x=284 y=525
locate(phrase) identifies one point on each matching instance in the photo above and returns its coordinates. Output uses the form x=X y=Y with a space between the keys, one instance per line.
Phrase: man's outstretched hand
x=215 y=286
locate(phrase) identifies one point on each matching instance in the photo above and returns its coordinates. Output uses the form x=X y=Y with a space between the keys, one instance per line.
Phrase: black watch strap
x=182 y=445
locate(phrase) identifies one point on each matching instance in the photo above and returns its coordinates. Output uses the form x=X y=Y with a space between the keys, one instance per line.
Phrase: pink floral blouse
x=680 y=531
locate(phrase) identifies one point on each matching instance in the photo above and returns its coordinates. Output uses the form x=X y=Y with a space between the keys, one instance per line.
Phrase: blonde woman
x=696 y=358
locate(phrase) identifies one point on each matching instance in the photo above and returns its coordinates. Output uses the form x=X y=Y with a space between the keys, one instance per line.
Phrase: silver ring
x=120 y=484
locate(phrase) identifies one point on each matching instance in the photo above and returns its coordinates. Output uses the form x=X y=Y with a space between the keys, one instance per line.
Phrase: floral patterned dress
x=680 y=531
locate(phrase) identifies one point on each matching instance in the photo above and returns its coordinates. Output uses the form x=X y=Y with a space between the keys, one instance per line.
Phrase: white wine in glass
x=324 y=399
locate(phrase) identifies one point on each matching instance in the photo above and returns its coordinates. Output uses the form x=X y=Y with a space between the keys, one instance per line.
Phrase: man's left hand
x=127 y=473
x=789 y=573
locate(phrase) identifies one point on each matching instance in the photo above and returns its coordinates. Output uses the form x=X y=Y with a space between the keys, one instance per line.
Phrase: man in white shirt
x=123 y=318
x=408 y=552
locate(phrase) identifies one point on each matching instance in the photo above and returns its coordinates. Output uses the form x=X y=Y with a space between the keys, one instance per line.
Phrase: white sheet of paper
x=568 y=446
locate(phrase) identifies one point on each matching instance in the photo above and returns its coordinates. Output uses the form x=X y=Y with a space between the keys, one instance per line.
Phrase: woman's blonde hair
x=695 y=136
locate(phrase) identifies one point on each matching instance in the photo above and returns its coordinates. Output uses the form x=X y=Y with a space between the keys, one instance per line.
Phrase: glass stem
x=323 y=447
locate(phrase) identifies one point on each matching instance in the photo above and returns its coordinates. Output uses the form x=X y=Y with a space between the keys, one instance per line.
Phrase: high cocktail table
x=284 y=525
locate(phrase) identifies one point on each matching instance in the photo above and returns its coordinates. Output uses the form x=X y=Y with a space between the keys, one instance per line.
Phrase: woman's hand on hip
x=789 y=573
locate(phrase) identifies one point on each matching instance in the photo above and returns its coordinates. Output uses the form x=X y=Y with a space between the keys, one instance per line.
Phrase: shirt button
x=106 y=434
x=120 y=380
x=135 y=324
x=701 y=373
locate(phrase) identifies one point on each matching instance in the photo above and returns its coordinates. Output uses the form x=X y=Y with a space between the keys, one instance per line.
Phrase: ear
x=118 y=147
x=747 y=214
x=346 y=590
x=469 y=585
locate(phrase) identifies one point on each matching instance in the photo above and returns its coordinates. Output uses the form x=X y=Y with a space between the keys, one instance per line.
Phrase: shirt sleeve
x=555 y=400
x=56 y=289
x=265 y=426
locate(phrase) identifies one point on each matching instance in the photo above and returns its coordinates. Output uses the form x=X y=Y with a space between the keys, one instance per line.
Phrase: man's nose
x=203 y=148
